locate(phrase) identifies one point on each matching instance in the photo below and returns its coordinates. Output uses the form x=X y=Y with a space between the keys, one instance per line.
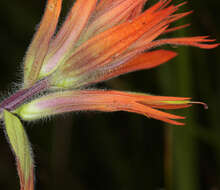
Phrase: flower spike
x=99 y=40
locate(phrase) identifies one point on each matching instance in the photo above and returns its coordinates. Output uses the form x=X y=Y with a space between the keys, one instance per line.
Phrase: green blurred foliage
x=122 y=151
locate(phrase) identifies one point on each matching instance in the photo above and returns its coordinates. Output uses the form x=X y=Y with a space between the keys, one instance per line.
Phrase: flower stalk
x=23 y=95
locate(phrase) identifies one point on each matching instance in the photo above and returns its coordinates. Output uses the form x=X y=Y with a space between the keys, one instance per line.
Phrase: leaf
x=21 y=147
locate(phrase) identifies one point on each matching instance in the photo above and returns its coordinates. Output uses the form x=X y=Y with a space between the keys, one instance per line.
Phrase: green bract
x=21 y=148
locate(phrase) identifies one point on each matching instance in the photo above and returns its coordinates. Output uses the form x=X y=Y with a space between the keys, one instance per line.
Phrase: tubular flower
x=104 y=101
x=99 y=40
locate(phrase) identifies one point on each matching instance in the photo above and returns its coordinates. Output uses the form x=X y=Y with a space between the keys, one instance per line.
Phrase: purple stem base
x=23 y=95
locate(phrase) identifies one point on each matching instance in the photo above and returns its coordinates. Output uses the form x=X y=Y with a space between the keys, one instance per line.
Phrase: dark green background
x=122 y=151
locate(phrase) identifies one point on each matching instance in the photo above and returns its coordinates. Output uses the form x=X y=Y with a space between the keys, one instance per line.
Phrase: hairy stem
x=23 y=95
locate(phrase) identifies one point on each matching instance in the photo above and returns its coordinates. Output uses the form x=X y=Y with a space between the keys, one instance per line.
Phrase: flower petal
x=68 y=34
x=39 y=46
x=22 y=150
x=107 y=101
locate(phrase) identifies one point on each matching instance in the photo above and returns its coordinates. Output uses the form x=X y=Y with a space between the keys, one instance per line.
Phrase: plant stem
x=23 y=95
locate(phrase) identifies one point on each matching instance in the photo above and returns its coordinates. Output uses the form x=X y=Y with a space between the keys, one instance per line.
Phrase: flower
x=99 y=40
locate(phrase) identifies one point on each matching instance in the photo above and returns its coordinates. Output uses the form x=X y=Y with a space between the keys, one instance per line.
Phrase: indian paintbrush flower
x=99 y=40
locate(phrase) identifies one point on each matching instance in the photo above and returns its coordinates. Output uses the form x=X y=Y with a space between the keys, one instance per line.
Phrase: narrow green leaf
x=20 y=145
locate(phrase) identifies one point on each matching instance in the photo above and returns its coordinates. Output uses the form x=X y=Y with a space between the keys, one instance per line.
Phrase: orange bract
x=40 y=44
x=126 y=64
x=69 y=33
x=100 y=40
x=107 y=101
x=120 y=43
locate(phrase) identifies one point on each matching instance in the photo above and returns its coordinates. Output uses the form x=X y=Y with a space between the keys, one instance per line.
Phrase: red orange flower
x=98 y=41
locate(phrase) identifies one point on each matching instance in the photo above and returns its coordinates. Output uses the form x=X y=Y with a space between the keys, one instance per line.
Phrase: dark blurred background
x=122 y=151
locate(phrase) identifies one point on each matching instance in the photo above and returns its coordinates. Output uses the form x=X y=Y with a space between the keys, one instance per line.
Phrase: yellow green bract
x=19 y=141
